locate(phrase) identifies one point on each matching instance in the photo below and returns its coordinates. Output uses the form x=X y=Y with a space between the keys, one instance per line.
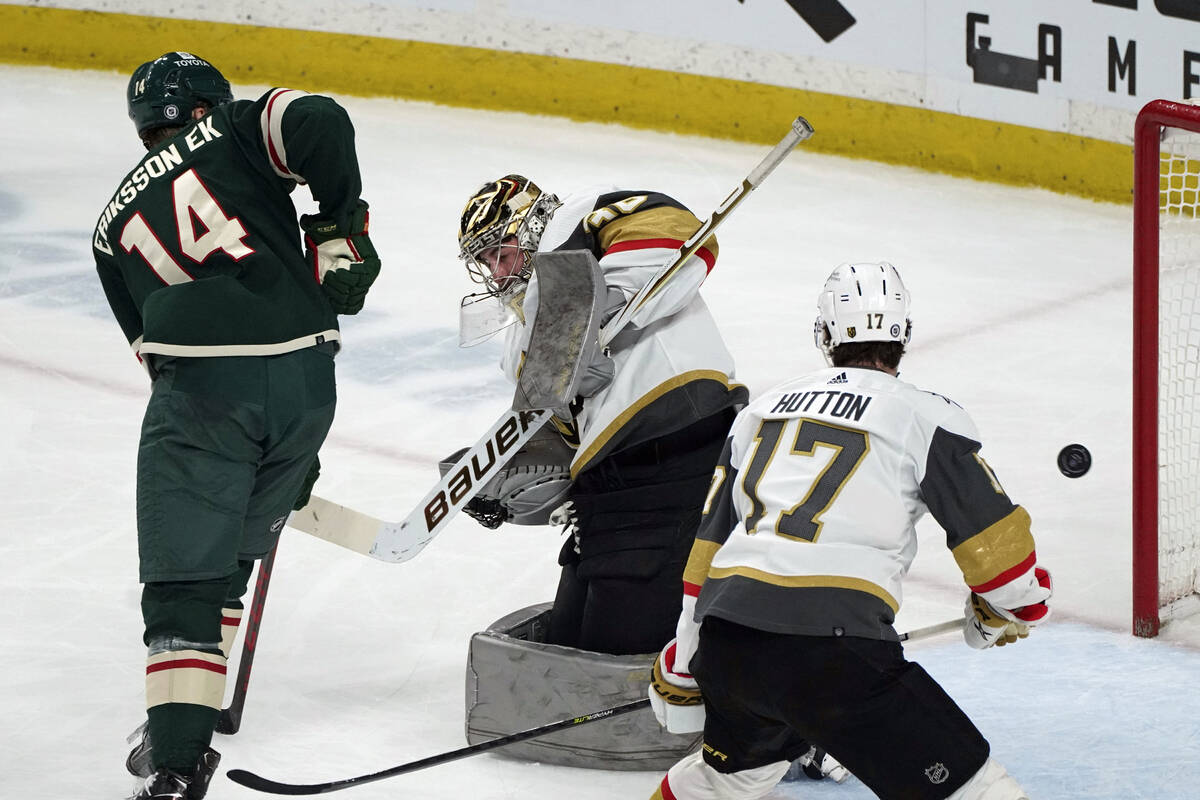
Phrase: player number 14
x=202 y=228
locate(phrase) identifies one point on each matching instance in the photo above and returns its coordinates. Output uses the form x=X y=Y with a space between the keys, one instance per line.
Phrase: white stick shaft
x=395 y=542
x=799 y=131
x=949 y=626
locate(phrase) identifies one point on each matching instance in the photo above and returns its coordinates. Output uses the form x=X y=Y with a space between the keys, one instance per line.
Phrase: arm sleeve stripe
x=691 y=589
x=1007 y=575
x=704 y=254
x=698 y=563
x=998 y=554
x=272 y=131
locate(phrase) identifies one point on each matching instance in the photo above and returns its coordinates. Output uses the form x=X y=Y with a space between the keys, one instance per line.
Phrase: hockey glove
x=314 y=471
x=989 y=624
x=675 y=696
x=344 y=260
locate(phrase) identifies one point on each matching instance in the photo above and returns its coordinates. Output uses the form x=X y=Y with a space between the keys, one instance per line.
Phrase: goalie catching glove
x=343 y=259
x=988 y=625
x=675 y=696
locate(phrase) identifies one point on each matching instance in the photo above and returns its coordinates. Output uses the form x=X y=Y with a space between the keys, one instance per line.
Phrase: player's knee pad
x=693 y=778
x=991 y=782
x=516 y=681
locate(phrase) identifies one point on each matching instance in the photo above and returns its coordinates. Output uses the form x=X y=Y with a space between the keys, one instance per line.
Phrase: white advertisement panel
x=1076 y=66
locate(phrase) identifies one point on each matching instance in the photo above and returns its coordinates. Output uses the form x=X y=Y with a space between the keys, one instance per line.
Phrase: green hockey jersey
x=199 y=251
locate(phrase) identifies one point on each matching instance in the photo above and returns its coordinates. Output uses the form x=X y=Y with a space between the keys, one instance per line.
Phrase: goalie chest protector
x=515 y=681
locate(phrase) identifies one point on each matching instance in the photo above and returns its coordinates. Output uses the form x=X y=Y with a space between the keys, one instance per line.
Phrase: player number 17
x=803 y=520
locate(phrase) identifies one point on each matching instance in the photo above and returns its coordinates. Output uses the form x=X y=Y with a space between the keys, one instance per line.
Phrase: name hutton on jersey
x=155 y=166
x=844 y=405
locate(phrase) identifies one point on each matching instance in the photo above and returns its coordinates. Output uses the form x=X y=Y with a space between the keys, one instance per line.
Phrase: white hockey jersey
x=809 y=524
x=671 y=366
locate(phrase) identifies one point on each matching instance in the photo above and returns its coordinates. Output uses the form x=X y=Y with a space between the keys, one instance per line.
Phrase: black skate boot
x=165 y=784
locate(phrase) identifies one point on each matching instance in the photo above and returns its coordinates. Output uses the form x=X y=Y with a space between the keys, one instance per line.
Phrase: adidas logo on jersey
x=840 y=378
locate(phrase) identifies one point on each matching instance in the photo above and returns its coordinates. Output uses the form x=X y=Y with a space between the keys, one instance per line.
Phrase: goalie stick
x=400 y=541
x=261 y=784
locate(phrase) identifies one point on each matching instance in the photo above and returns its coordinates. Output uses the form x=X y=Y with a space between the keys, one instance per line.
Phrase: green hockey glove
x=343 y=259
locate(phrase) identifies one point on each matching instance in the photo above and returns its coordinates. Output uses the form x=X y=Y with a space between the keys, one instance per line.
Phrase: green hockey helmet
x=164 y=91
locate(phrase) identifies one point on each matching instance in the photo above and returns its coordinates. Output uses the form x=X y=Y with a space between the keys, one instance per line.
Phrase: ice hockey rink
x=1021 y=313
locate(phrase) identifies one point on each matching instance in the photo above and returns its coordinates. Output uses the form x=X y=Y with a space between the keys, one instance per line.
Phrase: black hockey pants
x=636 y=513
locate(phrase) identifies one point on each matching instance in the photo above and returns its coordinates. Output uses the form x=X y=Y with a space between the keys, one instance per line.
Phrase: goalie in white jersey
x=795 y=577
x=650 y=418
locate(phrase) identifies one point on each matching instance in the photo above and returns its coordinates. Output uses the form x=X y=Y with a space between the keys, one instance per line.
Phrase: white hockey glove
x=988 y=625
x=675 y=696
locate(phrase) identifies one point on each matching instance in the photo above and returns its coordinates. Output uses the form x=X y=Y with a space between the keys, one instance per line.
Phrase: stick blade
x=565 y=330
x=337 y=524
x=261 y=784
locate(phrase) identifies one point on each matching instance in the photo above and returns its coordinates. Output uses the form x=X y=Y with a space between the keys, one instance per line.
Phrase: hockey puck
x=1074 y=461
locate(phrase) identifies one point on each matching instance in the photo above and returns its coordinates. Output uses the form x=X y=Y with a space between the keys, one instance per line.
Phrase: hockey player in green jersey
x=235 y=320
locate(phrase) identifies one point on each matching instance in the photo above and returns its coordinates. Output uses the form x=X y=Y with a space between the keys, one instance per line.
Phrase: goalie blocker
x=528 y=488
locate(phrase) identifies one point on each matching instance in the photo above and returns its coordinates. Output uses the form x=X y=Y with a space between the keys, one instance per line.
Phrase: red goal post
x=1166 y=364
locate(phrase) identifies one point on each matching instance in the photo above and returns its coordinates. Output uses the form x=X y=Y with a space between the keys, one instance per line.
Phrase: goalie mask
x=163 y=92
x=862 y=303
x=500 y=230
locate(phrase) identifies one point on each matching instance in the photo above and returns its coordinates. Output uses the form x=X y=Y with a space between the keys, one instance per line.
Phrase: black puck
x=1074 y=461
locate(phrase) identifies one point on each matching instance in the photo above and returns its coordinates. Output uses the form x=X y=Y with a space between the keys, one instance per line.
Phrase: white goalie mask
x=864 y=302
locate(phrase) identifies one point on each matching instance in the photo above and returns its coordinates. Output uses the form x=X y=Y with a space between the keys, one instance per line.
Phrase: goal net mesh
x=1179 y=370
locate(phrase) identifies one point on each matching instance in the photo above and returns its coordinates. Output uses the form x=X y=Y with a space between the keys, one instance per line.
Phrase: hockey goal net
x=1166 y=365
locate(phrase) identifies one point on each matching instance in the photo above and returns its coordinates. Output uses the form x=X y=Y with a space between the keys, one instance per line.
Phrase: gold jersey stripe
x=700 y=561
x=185 y=676
x=997 y=548
x=664 y=222
x=637 y=406
x=807 y=581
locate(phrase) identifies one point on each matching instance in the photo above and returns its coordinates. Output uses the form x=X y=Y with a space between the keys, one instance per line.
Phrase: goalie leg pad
x=516 y=681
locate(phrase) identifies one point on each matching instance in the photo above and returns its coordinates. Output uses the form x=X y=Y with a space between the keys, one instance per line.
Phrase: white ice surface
x=1021 y=314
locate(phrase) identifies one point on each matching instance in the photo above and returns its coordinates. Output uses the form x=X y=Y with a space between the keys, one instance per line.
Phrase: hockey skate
x=165 y=784
x=138 y=760
x=816 y=765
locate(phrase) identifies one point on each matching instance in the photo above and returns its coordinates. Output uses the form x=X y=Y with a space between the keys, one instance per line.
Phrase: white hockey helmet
x=864 y=302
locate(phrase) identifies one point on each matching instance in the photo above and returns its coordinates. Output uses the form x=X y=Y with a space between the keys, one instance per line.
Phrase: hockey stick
x=259 y=783
x=395 y=542
x=230 y=719
x=252 y=781
x=949 y=626
x=400 y=541
x=800 y=131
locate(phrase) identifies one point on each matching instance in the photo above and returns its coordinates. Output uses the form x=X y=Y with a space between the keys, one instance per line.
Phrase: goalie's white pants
x=692 y=779
x=991 y=782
